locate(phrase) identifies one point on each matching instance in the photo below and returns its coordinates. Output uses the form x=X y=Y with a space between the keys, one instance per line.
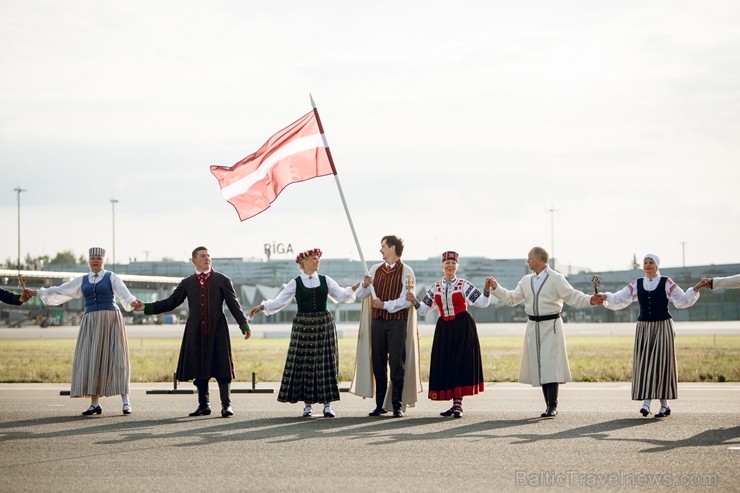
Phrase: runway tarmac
x=598 y=442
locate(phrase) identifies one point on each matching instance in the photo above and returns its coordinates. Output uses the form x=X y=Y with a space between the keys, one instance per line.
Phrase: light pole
x=552 y=212
x=19 y=190
x=683 y=253
x=113 y=203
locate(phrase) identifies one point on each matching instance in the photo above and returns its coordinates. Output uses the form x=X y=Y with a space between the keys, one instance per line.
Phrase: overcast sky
x=455 y=125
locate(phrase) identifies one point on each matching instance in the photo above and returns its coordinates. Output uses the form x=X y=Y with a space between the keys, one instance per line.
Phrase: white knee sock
x=646 y=403
x=124 y=399
x=664 y=403
x=95 y=401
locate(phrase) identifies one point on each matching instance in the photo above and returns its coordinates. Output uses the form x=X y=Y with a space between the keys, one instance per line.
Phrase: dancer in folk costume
x=455 y=369
x=388 y=335
x=205 y=352
x=654 y=373
x=544 y=355
x=101 y=361
x=311 y=372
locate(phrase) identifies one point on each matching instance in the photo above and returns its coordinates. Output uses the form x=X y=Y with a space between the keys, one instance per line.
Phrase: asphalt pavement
x=599 y=441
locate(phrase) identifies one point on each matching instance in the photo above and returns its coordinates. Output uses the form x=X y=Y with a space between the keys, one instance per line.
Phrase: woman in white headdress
x=101 y=361
x=654 y=374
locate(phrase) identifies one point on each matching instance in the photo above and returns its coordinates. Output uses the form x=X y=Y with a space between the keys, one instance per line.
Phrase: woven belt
x=544 y=317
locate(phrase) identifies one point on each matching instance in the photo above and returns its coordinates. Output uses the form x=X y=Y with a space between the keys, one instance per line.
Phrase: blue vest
x=653 y=304
x=98 y=296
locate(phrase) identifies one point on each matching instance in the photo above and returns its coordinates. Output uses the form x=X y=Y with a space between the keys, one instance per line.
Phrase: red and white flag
x=296 y=153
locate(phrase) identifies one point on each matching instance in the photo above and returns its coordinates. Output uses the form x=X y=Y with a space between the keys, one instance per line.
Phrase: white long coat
x=726 y=282
x=544 y=354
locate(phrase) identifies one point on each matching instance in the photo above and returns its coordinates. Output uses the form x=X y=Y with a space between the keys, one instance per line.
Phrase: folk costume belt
x=544 y=317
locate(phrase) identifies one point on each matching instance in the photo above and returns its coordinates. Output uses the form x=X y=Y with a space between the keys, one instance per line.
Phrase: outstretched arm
x=13 y=299
x=725 y=282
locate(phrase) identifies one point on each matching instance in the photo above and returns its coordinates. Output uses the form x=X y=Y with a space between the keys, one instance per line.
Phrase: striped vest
x=388 y=285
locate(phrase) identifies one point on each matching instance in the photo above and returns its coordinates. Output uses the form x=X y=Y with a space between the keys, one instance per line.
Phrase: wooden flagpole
x=339 y=185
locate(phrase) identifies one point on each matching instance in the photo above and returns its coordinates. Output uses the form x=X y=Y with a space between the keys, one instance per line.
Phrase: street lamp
x=552 y=212
x=19 y=190
x=113 y=203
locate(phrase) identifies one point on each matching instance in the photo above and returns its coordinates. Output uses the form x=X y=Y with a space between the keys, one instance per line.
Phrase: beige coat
x=726 y=282
x=363 y=382
x=544 y=354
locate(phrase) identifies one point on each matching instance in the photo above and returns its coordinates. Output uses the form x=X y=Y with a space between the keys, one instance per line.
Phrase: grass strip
x=592 y=359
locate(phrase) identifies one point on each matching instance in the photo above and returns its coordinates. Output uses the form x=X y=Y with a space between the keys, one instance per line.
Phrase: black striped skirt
x=654 y=373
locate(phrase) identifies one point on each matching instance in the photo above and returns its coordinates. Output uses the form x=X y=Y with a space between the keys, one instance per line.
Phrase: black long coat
x=9 y=298
x=206 y=347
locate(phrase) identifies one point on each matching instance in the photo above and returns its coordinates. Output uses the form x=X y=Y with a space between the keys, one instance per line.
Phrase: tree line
x=30 y=262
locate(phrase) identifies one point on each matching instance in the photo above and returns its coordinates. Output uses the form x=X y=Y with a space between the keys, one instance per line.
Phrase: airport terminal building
x=256 y=280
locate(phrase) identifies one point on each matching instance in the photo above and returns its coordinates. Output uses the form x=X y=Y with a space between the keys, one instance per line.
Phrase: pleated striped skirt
x=654 y=373
x=311 y=371
x=101 y=361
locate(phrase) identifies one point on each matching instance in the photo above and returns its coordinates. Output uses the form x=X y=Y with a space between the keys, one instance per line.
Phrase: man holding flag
x=300 y=152
x=388 y=332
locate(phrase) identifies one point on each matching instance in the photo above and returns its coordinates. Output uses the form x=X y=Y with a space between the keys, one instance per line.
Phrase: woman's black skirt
x=456 y=369
x=312 y=366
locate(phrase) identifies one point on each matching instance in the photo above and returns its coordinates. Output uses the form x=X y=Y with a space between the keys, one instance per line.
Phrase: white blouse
x=337 y=293
x=625 y=296
x=56 y=295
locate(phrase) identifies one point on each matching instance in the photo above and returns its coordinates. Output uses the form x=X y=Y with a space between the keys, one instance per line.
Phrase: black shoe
x=457 y=414
x=307 y=412
x=645 y=411
x=447 y=413
x=550 y=412
x=226 y=412
x=377 y=411
x=92 y=410
x=397 y=413
x=664 y=411
x=201 y=411
x=329 y=412
x=127 y=409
